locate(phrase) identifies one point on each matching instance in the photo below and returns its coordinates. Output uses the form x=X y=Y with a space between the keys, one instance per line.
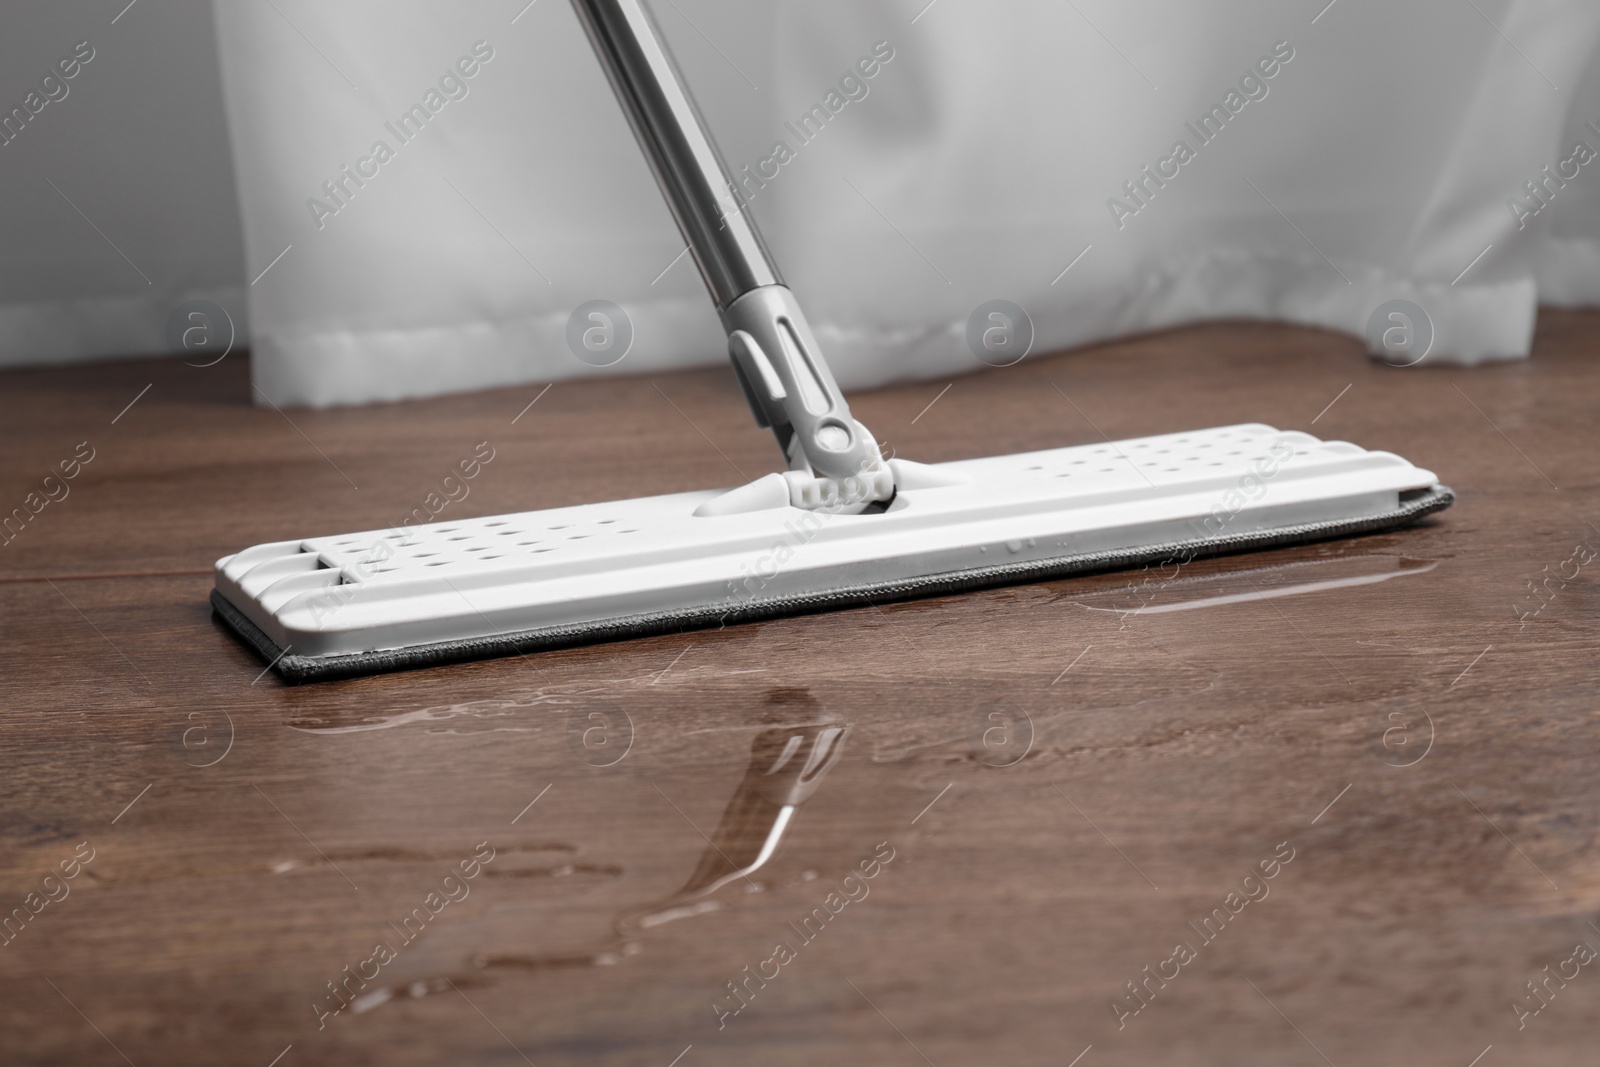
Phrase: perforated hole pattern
x=1215 y=453
x=448 y=546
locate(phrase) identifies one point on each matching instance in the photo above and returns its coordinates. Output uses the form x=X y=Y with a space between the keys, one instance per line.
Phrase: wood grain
x=1168 y=752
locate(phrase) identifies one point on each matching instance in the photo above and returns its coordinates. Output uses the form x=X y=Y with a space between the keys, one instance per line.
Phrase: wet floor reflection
x=1157 y=594
x=787 y=764
x=787 y=767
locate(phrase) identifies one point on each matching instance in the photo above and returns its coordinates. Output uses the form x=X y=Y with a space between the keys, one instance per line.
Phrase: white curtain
x=1024 y=150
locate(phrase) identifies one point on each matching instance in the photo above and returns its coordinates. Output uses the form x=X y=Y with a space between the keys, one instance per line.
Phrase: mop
x=842 y=526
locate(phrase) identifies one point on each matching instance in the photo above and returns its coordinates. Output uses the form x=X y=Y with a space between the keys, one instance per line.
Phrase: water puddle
x=787 y=766
x=473 y=716
x=503 y=714
x=1157 y=597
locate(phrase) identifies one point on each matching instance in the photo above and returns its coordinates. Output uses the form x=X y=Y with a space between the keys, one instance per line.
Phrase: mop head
x=418 y=596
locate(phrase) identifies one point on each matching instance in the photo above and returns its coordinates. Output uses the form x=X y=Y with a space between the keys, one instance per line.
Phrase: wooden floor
x=1394 y=726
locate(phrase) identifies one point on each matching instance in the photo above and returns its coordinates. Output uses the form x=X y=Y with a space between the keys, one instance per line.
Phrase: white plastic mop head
x=387 y=599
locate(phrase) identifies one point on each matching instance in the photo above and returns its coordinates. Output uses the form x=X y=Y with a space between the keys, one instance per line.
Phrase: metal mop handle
x=777 y=359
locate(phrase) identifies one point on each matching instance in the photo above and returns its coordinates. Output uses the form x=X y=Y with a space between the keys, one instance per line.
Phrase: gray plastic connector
x=791 y=390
